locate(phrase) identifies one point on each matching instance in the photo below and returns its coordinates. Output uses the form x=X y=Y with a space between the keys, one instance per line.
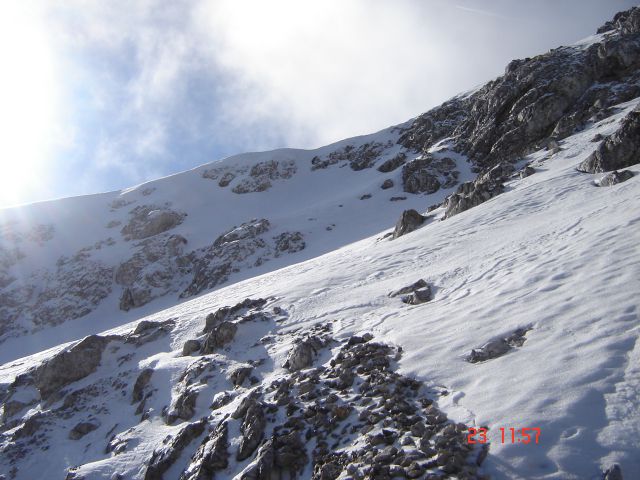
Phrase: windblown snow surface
x=554 y=253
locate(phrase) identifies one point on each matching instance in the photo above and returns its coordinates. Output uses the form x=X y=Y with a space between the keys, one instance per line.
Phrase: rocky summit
x=453 y=297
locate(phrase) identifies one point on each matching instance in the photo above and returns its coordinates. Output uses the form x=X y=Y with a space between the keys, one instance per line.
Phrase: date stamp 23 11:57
x=507 y=435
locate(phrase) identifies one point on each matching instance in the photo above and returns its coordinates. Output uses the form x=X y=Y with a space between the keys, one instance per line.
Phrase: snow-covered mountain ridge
x=519 y=310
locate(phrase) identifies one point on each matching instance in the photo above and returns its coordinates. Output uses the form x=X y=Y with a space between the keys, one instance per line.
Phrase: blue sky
x=100 y=96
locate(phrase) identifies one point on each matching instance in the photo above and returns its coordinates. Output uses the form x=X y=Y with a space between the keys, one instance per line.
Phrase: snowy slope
x=553 y=253
x=87 y=232
x=307 y=363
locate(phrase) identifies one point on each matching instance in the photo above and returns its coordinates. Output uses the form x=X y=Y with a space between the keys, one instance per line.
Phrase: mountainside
x=333 y=345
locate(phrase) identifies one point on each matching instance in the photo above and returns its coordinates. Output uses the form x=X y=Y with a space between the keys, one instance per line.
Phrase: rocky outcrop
x=393 y=163
x=498 y=347
x=551 y=95
x=618 y=150
x=428 y=174
x=614 y=178
x=82 y=429
x=252 y=429
x=358 y=158
x=218 y=337
x=248 y=306
x=167 y=454
x=70 y=365
x=261 y=175
x=152 y=270
x=149 y=220
x=483 y=188
x=211 y=457
x=306 y=348
x=243 y=246
x=414 y=294
x=409 y=221
x=288 y=242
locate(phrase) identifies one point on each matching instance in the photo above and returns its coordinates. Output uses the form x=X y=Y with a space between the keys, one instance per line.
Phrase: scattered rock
x=419 y=296
x=498 y=347
x=365 y=196
x=388 y=183
x=409 y=221
x=409 y=288
x=614 y=178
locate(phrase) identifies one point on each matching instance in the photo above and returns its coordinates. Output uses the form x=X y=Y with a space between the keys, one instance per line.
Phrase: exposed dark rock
x=419 y=296
x=261 y=175
x=498 y=347
x=231 y=313
x=167 y=454
x=83 y=428
x=397 y=199
x=239 y=375
x=366 y=196
x=304 y=351
x=141 y=384
x=149 y=220
x=388 y=183
x=393 y=163
x=148 y=331
x=483 y=188
x=218 y=337
x=359 y=158
x=615 y=177
x=252 y=429
x=191 y=346
x=409 y=221
x=409 y=288
x=526 y=171
x=618 y=150
x=70 y=365
x=211 y=457
x=184 y=406
x=417 y=177
x=289 y=242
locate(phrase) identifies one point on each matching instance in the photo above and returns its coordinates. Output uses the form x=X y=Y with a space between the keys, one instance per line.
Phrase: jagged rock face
x=409 y=221
x=483 y=188
x=618 y=150
x=70 y=365
x=165 y=456
x=246 y=246
x=393 y=163
x=428 y=174
x=358 y=158
x=551 y=94
x=219 y=337
x=149 y=220
x=212 y=456
x=261 y=175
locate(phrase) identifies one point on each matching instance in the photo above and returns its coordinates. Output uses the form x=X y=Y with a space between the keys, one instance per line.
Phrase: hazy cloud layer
x=150 y=87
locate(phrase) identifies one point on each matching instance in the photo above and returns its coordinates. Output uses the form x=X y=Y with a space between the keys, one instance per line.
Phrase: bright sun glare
x=27 y=101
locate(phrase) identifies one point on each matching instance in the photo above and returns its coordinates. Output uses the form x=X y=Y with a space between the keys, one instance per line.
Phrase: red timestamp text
x=507 y=435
